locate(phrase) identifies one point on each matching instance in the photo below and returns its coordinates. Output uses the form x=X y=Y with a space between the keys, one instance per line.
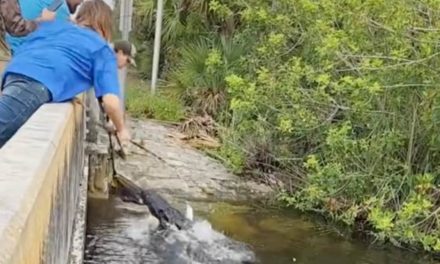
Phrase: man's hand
x=113 y=109
x=47 y=15
x=110 y=127
x=124 y=136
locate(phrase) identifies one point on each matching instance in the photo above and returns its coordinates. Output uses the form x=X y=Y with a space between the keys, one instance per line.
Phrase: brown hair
x=97 y=15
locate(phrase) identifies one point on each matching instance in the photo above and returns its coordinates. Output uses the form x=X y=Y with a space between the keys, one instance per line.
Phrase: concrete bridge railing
x=42 y=179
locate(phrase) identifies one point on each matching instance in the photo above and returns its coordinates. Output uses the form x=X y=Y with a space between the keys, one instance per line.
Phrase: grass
x=163 y=105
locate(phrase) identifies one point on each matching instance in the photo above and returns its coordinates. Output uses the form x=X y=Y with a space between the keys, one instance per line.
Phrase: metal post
x=125 y=14
x=156 y=54
x=125 y=18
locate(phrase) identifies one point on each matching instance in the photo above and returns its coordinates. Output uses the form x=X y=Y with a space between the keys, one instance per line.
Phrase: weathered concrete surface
x=97 y=151
x=41 y=169
x=181 y=171
x=99 y=167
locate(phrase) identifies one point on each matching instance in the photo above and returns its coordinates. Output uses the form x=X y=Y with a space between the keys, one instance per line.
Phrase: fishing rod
x=122 y=153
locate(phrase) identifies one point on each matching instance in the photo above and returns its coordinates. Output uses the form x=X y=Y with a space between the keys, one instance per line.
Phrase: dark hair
x=73 y=5
x=97 y=15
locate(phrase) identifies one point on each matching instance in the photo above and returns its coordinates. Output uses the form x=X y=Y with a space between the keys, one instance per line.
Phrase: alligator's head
x=158 y=206
x=163 y=211
x=128 y=191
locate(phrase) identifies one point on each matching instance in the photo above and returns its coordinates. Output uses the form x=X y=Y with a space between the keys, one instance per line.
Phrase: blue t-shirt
x=31 y=10
x=68 y=60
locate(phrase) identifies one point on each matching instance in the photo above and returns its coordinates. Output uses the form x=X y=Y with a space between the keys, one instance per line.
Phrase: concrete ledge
x=97 y=150
x=79 y=228
x=40 y=174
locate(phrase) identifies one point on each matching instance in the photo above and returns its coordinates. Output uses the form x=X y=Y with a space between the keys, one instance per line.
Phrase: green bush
x=144 y=60
x=347 y=93
x=337 y=98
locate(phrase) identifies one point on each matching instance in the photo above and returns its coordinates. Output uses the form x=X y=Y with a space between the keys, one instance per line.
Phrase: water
x=121 y=233
x=124 y=233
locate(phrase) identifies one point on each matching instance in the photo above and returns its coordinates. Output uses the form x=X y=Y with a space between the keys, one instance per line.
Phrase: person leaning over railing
x=59 y=61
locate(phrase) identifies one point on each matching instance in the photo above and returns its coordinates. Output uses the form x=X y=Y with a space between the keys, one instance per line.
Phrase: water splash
x=201 y=243
x=132 y=237
x=189 y=212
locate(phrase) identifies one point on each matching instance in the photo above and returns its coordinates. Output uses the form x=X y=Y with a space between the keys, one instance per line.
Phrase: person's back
x=62 y=56
x=30 y=10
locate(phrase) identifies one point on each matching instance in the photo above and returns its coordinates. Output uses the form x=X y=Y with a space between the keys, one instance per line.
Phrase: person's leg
x=21 y=97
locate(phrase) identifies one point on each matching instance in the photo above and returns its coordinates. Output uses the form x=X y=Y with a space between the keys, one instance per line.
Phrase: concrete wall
x=97 y=151
x=41 y=178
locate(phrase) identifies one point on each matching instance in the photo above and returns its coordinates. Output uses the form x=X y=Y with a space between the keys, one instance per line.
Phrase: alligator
x=157 y=205
x=171 y=238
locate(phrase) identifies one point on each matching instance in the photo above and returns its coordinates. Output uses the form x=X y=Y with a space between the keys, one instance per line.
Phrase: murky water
x=121 y=233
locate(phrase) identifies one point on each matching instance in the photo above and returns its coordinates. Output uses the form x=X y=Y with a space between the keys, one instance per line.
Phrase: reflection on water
x=116 y=235
x=284 y=237
x=120 y=233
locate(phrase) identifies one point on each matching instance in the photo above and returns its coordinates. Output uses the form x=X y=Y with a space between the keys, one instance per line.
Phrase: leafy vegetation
x=336 y=99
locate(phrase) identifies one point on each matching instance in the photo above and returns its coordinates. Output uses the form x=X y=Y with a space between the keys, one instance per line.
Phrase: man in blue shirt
x=30 y=10
x=59 y=61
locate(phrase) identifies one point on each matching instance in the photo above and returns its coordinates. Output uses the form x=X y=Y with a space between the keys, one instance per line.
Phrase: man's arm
x=112 y=107
x=15 y=24
x=106 y=85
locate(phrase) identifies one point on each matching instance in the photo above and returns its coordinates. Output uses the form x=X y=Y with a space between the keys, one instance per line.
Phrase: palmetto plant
x=178 y=15
x=202 y=70
x=198 y=47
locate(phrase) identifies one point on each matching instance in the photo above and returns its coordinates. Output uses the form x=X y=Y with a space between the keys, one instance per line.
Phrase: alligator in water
x=179 y=237
x=158 y=206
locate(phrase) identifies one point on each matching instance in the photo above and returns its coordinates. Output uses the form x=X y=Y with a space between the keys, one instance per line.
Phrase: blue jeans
x=20 y=98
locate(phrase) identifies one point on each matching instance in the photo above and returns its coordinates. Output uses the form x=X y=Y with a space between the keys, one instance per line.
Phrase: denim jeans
x=20 y=98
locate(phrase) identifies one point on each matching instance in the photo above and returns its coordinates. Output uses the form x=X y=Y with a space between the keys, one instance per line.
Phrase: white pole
x=156 y=54
x=125 y=16
x=126 y=12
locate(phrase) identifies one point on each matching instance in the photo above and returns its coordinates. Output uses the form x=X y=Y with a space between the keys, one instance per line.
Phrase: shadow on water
x=123 y=233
